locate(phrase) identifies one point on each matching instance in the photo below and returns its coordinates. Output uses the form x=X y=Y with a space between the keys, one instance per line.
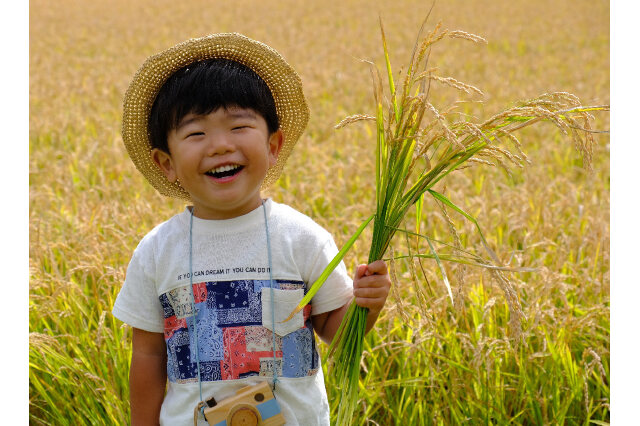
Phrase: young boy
x=212 y=121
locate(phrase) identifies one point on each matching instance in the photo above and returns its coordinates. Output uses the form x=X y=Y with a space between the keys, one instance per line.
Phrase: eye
x=192 y=134
x=239 y=127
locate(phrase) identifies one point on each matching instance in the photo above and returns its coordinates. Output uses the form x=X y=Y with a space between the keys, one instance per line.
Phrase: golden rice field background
x=448 y=364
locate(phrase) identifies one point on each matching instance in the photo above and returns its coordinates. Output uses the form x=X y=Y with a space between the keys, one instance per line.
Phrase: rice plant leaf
x=439 y=171
x=444 y=273
x=337 y=338
x=450 y=362
x=448 y=202
x=329 y=269
x=381 y=146
x=392 y=87
x=419 y=205
x=468 y=153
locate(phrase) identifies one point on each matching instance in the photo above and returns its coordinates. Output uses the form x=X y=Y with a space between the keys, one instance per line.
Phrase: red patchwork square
x=200 y=292
x=237 y=359
x=172 y=324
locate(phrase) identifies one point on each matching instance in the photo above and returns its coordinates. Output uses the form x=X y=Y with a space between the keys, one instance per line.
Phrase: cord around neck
x=271 y=284
x=193 y=306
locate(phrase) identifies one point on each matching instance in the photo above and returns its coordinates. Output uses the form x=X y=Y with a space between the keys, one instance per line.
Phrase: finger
x=370 y=292
x=379 y=267
x=360 y=272
x=366 y=302
x=374 y=281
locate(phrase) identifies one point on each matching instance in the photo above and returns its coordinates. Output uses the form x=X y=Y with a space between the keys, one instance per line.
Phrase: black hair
x=203 y=87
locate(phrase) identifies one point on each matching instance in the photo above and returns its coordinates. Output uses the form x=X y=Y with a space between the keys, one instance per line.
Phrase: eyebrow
x=188 y=119
x=235 y=113
x=241 y=113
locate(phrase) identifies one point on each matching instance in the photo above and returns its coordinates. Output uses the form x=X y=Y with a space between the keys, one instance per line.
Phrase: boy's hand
x=371 y=286
x=370 y=290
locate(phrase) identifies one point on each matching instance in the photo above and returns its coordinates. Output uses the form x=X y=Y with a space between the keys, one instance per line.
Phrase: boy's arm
x=370 y=289
x=147 y=377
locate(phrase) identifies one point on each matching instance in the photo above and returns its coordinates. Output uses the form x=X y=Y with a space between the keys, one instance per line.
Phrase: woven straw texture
x=282 y=80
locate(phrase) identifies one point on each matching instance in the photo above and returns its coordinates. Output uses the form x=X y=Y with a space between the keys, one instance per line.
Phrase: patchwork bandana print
x=232 y=343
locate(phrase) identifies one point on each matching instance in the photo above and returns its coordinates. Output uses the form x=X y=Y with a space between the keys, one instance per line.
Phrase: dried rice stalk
x=412 y=157
x=354 y=119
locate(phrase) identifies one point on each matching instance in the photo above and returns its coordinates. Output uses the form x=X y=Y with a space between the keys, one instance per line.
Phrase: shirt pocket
x=284 y=301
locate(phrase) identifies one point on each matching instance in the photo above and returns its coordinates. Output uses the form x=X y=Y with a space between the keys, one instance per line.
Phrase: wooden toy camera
x=250 y=406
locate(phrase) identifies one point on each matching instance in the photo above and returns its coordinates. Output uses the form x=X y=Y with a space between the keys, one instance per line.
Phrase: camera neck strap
x=193 y=302
x=271 y=285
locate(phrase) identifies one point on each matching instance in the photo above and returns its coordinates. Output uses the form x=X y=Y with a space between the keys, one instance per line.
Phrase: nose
x=219 y=143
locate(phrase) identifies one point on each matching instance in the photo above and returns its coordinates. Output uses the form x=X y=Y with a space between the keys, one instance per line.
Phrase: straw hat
x=282 y=80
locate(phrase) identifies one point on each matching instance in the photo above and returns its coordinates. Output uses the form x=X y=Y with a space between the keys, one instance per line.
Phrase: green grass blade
x=338 y=336
x=444 y=273
x=381 y=145
x=419 y=205
x=329 y=269
x=448 y=202
x=392 y=87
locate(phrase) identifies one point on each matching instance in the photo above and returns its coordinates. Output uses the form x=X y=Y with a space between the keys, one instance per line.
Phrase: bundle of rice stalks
x=418 y=146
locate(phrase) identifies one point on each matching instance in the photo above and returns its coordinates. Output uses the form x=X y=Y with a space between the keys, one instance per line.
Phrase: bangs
x=203 y=87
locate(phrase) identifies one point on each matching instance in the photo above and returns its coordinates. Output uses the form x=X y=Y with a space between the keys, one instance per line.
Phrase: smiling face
x=220 y=159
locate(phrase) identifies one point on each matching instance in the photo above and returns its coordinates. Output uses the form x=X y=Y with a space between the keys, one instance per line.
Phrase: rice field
x=443 y=363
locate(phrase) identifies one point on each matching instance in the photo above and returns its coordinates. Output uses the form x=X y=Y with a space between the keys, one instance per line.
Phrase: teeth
x=224 y=168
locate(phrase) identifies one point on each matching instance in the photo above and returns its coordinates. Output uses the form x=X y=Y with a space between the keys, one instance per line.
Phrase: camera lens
x=259 y=397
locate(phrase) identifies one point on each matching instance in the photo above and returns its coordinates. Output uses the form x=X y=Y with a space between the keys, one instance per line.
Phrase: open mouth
x=225 y=171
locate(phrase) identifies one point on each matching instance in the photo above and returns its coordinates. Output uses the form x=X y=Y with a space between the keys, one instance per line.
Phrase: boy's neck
x=205 y=214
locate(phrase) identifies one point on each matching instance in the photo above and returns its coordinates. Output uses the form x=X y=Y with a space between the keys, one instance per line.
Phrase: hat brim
x=280 y=77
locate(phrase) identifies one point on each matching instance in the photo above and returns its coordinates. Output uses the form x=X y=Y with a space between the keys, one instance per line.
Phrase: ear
x=164 y=161
x=275 y=145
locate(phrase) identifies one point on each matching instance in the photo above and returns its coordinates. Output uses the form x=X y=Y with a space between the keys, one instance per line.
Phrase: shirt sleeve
x=338 y=289
x=138 y=303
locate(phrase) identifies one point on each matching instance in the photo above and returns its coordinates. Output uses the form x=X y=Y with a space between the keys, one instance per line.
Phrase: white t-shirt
x=233 y=307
